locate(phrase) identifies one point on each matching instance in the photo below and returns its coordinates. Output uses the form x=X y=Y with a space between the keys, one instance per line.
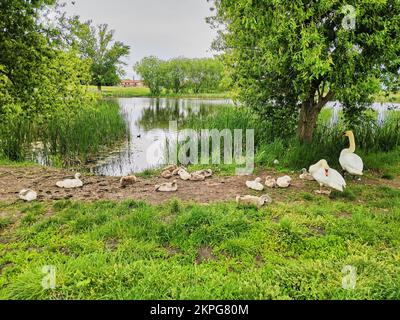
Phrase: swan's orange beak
x=327 y=172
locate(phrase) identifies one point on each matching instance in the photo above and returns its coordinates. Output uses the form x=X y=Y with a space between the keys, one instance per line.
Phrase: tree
x=152 y=71
x=285 y=56
x=175 y=74
x=36 y=77
x=98 y=45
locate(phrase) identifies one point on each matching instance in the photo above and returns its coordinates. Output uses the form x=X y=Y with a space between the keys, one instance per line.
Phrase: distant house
x=131 y=83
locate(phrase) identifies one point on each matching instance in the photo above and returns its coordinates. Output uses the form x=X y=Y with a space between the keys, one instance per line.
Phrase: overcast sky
x=165 y=28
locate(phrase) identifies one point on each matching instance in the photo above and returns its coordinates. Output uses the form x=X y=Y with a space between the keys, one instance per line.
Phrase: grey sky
x=165 y=28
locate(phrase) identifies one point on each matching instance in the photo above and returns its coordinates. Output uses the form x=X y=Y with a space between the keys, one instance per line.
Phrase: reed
x=72 y=138
x=374 y=140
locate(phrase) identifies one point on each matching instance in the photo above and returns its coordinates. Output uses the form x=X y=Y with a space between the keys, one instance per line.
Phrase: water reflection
x=148 y=129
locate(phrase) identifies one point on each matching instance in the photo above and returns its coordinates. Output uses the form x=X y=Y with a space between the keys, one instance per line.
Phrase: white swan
x=255 y=185
x=27 y=195
x=71 y=183
x=327 y=176
x=284 y=182
x=253 y=200
x=349 y=161
x=167 y=187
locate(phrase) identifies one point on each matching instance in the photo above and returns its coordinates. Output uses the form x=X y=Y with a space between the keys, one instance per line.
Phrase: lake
x=148 y=128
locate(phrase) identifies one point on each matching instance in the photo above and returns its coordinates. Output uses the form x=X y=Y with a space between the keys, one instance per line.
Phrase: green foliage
x=152 y=73
x=181 y=75
x=97 y=45
x=378 y=144
x=74 y=138
x=36 y=77
x=131 y=250
x=289 y=55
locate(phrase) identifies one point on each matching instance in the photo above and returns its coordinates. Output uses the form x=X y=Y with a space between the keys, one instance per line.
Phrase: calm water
x=148 y=126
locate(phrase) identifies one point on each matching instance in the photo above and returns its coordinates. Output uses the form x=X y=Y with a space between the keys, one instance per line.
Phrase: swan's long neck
x=352 y=143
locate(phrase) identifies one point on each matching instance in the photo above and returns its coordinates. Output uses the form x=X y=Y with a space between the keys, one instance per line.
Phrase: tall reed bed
x=372 y=138
x=66 y=137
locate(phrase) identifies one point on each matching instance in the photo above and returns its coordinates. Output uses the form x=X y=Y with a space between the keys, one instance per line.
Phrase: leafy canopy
x=286 y=55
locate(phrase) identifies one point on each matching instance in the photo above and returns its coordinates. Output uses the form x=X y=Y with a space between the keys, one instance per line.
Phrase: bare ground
x=43 y=180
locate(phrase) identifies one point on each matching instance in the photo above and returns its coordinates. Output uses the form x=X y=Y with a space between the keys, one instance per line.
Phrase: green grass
x=379 y=146
x=121 y=92
x=116 y=91
x=132 y=250
x=392 y=97
x=66 y=139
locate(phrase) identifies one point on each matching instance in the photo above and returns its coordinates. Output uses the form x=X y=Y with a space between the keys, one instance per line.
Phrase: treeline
x=182 y=75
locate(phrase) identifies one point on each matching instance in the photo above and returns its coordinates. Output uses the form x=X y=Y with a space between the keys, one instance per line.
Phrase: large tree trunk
x=309 y=113
x=308 y=119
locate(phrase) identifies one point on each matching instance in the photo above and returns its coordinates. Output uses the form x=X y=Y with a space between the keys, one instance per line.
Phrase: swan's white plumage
x=351 y=162
x=253 y=200
x=255 y=185
x=71 y=183
x=167 y=187
x=27 y=195
x=334 y=179
x=284 y=182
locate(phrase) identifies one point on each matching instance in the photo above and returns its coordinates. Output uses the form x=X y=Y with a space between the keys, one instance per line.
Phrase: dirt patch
x=205 y=254
x=318 y=230
x=172 y=251
x=43 y=181
x=344 y=215
x=111 y=244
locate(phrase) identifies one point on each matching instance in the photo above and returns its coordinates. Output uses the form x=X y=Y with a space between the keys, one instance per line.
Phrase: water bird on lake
x=71 y=183
x=253 y=200
x=327 y=177
x=27 y=195
x=351 y=162
x=127 y=181
x=167 y=187
x=255 y=185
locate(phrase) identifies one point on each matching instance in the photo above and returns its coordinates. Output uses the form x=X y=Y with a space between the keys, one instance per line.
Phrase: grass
x=378 y=145
x=392 y=97
x=132 y=250
x=121 y=92
x=64 y=139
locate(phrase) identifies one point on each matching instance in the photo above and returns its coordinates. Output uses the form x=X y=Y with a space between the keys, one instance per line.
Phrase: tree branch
x=322 y=102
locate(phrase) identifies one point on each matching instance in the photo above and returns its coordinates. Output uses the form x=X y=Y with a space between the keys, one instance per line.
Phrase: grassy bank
x=63 y=139
x=131 y=250
x=393 y=97
x=379 y=145
x=121 y=92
